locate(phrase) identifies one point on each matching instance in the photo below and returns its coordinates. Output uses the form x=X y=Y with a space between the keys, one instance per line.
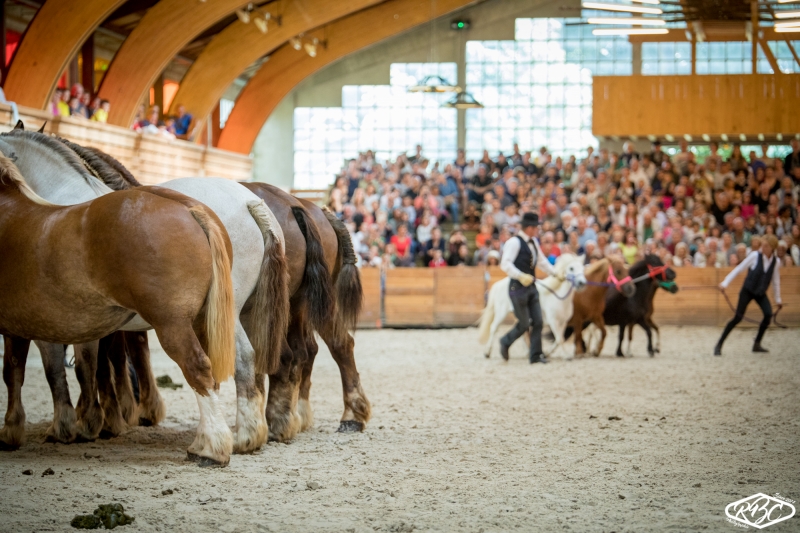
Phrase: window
x=225 y=108
x=384 y=118
x=724 y=58
x=537 y=89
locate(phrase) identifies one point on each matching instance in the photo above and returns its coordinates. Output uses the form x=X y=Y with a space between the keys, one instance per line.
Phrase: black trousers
x=745 y=297
x=529 y=317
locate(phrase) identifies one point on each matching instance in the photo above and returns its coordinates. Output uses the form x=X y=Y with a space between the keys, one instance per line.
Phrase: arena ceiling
x=220 y=47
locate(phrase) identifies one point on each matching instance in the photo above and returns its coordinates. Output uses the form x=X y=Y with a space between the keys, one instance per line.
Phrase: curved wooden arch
x=53 y=37
x=239 y=45
x=167 y=27
x=288 y=67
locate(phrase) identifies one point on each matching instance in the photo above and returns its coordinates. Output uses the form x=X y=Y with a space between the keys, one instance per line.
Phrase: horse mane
x=103 y=169
x=10 y=173
x=69 y=157
x=597 y=266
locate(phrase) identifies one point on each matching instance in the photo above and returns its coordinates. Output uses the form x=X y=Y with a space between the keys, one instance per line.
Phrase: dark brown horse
x=291 y=386
x=319 y=253
x=590 y=303
x=69 y=275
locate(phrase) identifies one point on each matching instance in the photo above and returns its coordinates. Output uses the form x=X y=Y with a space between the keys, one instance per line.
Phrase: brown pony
x=73 y=274
x=591 y=302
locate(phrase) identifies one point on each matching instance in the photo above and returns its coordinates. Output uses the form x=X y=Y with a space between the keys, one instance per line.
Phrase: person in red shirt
x=549 y=248
x=402 y=243
x=437 y=261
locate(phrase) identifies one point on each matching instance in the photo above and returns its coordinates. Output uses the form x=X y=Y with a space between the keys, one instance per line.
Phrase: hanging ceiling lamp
x=434 y=84
x=463 y=100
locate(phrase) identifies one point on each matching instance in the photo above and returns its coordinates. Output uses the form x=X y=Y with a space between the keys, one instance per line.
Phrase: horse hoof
x=8 y=446
x=350 y=426
x=486 y=355
x=146 y=422
x=192 y=457
x=208 y=462
x=620 y=354
x=106 y=435
x=652 y=354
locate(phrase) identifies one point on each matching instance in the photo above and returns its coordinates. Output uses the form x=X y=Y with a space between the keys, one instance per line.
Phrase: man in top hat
x=521 y=256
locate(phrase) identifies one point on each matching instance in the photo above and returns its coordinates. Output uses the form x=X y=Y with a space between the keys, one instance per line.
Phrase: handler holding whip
x=762 y=268
x=521 y=256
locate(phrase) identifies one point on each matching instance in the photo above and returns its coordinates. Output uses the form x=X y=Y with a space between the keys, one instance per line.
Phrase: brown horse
x=290 y=388
x=591 y=302
x=318 y=250
x=73 y=274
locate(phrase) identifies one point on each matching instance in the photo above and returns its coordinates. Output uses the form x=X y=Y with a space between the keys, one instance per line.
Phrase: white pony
x=57 y=174
x=555 y=297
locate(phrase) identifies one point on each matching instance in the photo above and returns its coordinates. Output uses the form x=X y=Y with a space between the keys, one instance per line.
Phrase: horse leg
x=250 y=432
x=654 y=327
x=118 y=356
x=65 y=422
x=214 y=441
x=580 y=348
x=90 y=413
x=303 y=403
x=14 y=358
x=630 y=340
x=647 y=330
x=494 y=327
x=113 y=421
x=621 y=340
x=357 y=410
x=600 y=323
x=282 y=416
x=151 y=405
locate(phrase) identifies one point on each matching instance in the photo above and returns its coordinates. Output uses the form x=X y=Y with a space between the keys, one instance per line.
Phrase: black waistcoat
x=757 y=281
x=525 y=262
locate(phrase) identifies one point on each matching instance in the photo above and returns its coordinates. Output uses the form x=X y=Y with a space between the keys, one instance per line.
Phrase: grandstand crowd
x=692 y=211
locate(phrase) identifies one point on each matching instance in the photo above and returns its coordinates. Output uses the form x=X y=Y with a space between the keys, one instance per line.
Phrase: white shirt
x=750 y=262
x=511 y=251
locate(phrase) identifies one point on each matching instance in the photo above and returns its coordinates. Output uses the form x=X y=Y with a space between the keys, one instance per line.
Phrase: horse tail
x=487 y=317
x=349 y=293
x=316 y=289
x=270 y=311
x=220 y=315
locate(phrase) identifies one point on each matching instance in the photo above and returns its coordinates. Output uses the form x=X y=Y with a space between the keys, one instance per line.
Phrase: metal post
x=754 y=34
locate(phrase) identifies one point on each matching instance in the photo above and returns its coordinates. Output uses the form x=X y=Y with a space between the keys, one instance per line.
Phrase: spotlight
x=261 y=24
x=243 y=15
x=296 y=43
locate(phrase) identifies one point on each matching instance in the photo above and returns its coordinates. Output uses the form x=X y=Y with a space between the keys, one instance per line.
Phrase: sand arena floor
x=457 y=443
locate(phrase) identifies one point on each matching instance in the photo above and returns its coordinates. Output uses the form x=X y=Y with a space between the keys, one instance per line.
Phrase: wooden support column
x=770 y=57
x=694 y=53
x=158 y=93
x=754 y=34
x=87 y=69
x=73 y=73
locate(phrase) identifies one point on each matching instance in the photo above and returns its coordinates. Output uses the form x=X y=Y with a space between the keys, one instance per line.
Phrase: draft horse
x=69 y=275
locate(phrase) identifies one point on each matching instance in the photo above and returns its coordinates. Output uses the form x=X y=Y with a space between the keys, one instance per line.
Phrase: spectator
x=101 y=113
x=12 y=105
x=402 y=246
x=183 y=121
x=437 y=261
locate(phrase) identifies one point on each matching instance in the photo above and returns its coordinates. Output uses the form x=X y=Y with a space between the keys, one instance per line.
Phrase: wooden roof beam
x=286 y=67
x=161 y=34
x=239 y=45
x=53 y=37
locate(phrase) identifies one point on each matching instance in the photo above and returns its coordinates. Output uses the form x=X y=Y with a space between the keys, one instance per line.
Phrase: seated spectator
x=183 y=122
x=402 y=245
x=12 y=105
x=76 y=104
x=63 y=103
x=438 y=260
x=630 y=248
x=435 y=243
x=460 y=257
x=101 y=113
x=493 y=258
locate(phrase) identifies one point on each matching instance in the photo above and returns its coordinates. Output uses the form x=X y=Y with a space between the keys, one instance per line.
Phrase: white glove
x=525 y=279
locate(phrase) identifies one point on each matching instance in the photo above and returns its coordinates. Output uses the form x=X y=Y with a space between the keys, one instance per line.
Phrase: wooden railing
x=748 y=104
x=151 y=158
x=454 y=297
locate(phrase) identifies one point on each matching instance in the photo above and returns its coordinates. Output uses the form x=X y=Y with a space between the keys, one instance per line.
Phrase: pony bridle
x=658 y=271
x=618 y=283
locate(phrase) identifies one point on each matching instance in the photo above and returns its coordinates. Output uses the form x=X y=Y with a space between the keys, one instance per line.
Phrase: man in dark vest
x=521 y=256
x=762 y=269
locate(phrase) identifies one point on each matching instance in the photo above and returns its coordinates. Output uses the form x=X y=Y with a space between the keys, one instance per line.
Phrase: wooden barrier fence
x=454 y=297
x=151 y=158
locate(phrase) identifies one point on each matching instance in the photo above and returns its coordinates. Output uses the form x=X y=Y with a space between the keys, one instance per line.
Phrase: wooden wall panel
x=409 y=297
x=697 y=105
x=151 y=159
x=371 y=307
x=458 y=295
